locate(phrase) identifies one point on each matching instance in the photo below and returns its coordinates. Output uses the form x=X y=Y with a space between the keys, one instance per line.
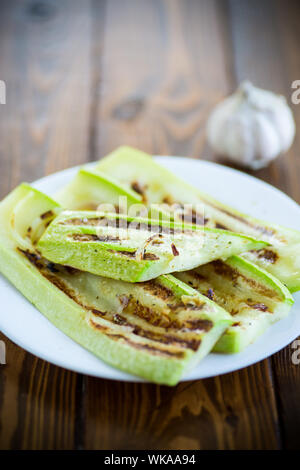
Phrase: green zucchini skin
x=158 y=185
x=254 y=297
x=135 y=249
x=128 y=334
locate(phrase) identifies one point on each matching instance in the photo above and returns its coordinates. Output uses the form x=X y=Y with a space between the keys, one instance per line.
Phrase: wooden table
x=82 y=78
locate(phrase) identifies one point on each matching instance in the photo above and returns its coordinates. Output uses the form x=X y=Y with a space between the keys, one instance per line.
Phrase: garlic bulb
x=251 y=127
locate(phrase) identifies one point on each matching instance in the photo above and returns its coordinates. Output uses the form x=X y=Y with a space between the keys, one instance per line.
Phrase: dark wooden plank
x=269 y=55
x=289 y=34
x=287 y=372
x=257 y=57
x=45 y=60
x=39 y=402
x=234 y=411
x=164 y=65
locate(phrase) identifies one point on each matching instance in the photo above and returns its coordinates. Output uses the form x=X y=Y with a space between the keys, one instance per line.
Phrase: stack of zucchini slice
x=145 y=271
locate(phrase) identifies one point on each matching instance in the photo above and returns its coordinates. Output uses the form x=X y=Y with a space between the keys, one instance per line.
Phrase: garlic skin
x=251 y=127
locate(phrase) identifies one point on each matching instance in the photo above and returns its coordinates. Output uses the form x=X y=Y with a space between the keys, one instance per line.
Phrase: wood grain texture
x=287 y=374
x=46 y=66
x=156 y=90
x=39 y=403
x=83 y=78
x=258 y=57
x=235 y=411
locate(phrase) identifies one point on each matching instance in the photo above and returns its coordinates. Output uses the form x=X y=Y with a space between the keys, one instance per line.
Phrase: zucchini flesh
x=156 y=330
x=135 y=249
x=158 y=185
x=253 y=297
x=89 y=189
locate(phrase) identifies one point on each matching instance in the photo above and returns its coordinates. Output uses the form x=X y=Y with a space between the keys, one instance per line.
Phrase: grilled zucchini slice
x=253 y=297
x=135 y=249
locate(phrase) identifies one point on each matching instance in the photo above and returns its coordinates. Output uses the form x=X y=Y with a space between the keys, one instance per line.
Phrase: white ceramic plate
x=28 y=328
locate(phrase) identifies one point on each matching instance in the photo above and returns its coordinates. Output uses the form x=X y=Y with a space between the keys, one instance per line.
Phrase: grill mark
x=82 y=221
x=52 y=267
x=174 y=250
x=221 y=226
x=200 y=324
x=95 y=311
x=259 y=306
x=158 y=319
x=72 y=271
x=168 y=199
x=193 y=217
x=87 y=237
x=97 y=326
x=197 y=275
x=157 y=241
x=188 y=306
x=84 y=237
x=39 y=263
x=233 y=312
x=47 y=214
x=155 y=350
x=150 y=256
x=233 y=275
x=147 y=347
x=267 y=255
x=157 y=289
x=34 y=258
x=261 y=229
x=151 y=316
x=128 y=254
x=224 y=269
x=108 y=238
x=138 y=188
x=163 y=338
x=123 y=223
x=62 y=286
x=95 y=238
x=168 y=339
